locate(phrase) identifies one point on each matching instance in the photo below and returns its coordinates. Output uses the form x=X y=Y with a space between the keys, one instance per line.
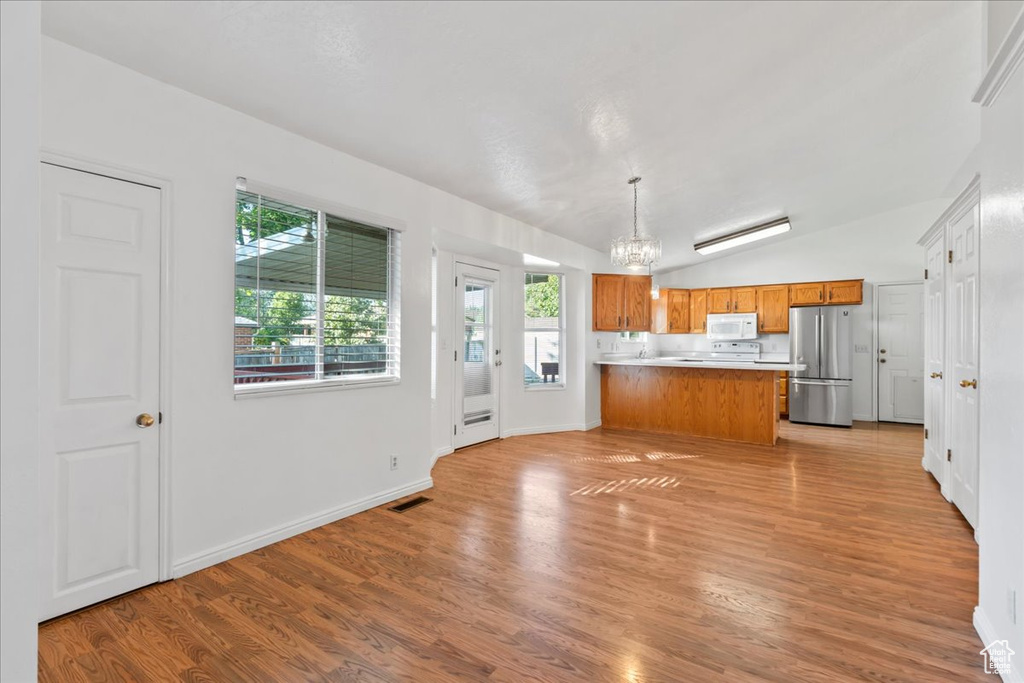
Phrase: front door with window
x=99 y=343
x=477 y=356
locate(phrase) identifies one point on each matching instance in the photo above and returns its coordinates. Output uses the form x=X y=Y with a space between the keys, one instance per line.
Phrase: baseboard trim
x=591 y=425
x=864 y=418
x=526 y=431
x=225 y=552
x=988 y=635
x=440 y=453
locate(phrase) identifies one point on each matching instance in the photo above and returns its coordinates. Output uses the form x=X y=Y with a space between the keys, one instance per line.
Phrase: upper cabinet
x=809 y=294
x=844 y=292
x=773 y=308
x=622 y=303
x=698 y=310
x=671 y=312
x=732 y=300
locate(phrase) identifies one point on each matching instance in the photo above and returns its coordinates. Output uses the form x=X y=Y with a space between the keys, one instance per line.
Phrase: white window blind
x=544 y=330
x=316 y=297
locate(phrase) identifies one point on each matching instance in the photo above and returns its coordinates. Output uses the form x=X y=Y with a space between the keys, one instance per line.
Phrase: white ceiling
x=733 y=113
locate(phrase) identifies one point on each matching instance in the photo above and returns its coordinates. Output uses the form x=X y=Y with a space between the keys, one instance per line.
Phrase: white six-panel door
x=963 y=319
x=935 y=361
x=901 y=353
x=99 y=378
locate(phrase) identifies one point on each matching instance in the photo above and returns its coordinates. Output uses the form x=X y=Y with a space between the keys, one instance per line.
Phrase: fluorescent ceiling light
x=758 y=232
x=531 y=260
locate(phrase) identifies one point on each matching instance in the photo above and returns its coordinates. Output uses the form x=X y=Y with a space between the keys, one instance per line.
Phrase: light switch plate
x=860 y=348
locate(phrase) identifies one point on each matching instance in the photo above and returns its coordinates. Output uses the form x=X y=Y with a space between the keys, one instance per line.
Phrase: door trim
x=165 y=186
x=488 y=265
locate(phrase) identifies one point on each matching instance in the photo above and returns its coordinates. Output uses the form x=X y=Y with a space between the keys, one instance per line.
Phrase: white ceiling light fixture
x=531 y=260
x=758 y=232
x=638 y=251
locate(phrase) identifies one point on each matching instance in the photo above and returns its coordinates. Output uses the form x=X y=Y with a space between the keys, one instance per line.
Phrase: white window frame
x=323 y=207
x=562 y=383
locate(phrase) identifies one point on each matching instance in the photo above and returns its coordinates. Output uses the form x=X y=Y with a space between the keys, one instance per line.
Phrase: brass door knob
x=144 y=420
x=881 y=360
x=881 y=350
x=969 y=383
x=936 y=375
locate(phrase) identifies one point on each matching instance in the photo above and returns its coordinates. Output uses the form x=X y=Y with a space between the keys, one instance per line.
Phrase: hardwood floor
x=598 y=556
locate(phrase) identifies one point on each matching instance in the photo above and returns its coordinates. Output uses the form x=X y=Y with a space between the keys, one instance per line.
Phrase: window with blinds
x=316 y=297
x=544 y=330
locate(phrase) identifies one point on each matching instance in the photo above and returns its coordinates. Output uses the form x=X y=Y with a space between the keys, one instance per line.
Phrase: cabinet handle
x=972 y=383
x=936 y=375
x=619 y=324
x=627 y=321
x=830 y=295
x=820 y=296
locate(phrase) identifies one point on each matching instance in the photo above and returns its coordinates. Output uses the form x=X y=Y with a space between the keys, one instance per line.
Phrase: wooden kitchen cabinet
x=807 y=294
x=698 y=311
x=671 y=312
x=744 y=299
x=621 y=303
x=773 y=309
x=732 y=300
x=844 y=292
x=784 y=393
x=719 y=300
x=637 y=306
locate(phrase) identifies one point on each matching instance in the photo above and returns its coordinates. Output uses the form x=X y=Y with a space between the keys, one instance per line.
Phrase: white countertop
x=674 y=362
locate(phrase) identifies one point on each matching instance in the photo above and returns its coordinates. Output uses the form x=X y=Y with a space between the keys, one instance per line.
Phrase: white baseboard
x=440 y=453
x=224 y=552
x=524 y=431
x=988 y=635
x=862 y=417
x=591 y=425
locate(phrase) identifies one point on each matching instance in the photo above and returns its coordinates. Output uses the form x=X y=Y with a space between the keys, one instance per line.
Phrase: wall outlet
x=599 y=344
x=860 y=348
x=394 y=462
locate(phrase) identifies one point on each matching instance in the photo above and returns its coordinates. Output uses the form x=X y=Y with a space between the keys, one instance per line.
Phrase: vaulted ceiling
x=733 y=113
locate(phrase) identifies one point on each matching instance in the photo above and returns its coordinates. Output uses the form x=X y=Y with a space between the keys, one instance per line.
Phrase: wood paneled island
x=733 y=402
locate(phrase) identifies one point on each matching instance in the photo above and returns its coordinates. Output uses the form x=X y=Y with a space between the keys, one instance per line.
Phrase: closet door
x=935 y=361
x=963 y=364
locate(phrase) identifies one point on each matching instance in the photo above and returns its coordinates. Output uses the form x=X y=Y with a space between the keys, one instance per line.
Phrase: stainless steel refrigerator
x=821 y=337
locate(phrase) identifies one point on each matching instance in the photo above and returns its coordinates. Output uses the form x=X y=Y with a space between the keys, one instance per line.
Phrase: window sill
x=308 y=387
x=550 y=386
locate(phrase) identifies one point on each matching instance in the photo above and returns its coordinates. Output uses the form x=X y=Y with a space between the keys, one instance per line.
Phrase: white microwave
x=730 y=326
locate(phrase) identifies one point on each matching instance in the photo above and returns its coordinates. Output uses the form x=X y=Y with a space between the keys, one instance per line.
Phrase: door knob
x=144 y=420
x=969 y=383
x=936 y=375
x=497 y=363
x=881 y=360
x=881 y=350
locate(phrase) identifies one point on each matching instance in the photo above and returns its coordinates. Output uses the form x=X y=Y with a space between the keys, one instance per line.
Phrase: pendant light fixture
x=638 y=251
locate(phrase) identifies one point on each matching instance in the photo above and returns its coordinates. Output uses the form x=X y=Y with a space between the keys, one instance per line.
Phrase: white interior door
x=901 y=353
x=99 y=378
x=477 y=356
x=963 y=319
x=935 y=362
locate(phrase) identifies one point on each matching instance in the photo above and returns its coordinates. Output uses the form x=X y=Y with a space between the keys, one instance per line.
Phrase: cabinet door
x=719 y=301
x=744 y=299
x=845 y=292
x=810 y=294
x=698 y=310
x=773 y=308
x=678 y=311
x=608 y=298
x=637 y=303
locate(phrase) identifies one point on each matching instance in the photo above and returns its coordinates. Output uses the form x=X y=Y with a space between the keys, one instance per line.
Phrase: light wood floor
x=598 y=556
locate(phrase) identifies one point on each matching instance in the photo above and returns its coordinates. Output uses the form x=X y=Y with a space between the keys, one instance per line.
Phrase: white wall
x=19 y=322
x=245 y=472
x=1001 y=384
x=880 y=249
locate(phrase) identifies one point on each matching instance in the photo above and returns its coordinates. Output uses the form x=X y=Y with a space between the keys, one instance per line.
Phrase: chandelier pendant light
x=636 y=251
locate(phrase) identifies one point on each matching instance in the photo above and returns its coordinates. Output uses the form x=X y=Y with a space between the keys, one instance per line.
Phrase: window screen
x=544 y=330
x=316 y=296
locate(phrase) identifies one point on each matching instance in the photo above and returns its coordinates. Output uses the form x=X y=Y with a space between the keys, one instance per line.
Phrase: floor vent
x=410 y=504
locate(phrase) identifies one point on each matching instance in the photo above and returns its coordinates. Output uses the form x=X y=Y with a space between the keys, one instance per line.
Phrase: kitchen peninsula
x=719 y=400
